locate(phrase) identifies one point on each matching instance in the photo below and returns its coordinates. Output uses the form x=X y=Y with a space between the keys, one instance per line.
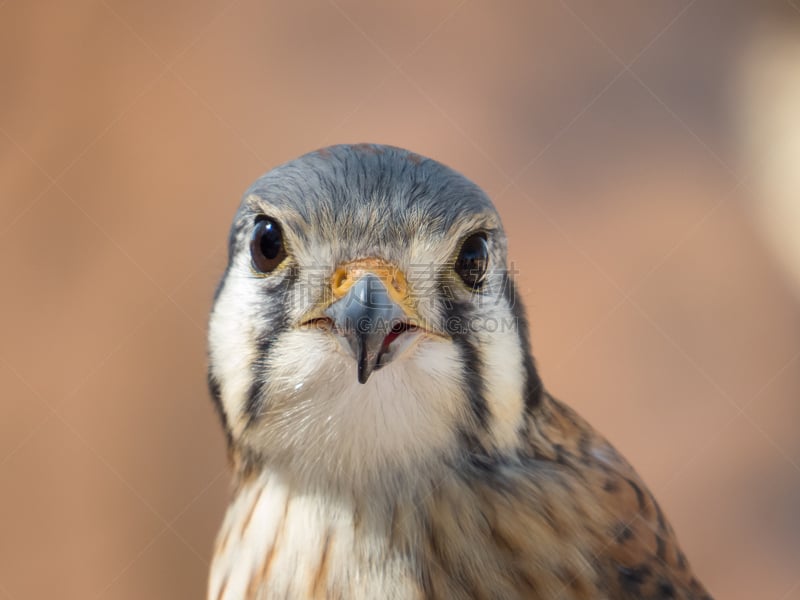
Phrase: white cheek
x=504 y=378
x=232 y=344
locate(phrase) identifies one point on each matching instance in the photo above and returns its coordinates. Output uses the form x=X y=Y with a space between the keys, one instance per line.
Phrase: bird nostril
x=339 y=282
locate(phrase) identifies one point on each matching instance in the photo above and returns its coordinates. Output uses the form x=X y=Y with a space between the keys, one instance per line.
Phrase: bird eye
x=266 y=246
x=473 y=260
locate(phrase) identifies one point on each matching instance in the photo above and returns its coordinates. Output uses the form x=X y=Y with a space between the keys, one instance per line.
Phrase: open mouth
x=398 y=329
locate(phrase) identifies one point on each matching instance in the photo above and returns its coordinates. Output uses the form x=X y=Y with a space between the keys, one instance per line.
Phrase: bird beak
x=369 y=313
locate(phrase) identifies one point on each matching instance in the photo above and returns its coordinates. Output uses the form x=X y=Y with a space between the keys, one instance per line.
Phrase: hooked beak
x=369 y=315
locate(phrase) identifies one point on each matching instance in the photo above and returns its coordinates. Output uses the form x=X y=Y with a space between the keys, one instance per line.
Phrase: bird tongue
x=390 y=337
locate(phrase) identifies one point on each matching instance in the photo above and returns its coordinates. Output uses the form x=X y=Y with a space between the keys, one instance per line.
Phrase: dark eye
x=473 y=260
x=266 y=247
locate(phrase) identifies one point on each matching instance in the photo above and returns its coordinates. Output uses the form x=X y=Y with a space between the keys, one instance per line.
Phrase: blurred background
x=644 y=157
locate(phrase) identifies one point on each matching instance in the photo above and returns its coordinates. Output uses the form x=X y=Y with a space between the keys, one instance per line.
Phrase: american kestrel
x=389 y=433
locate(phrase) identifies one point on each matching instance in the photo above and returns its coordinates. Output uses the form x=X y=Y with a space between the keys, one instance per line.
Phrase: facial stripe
x=456 y=321
x=278 y=323
x=255 y=395
x=216 y=397
x=473 y=381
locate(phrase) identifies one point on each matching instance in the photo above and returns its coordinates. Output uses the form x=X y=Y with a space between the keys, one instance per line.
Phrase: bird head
x=366 y=322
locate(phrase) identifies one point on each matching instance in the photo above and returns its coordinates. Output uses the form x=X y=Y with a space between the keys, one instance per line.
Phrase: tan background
x=618 y=139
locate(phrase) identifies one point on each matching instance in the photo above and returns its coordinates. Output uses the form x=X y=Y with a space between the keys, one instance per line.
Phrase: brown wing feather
x=628 y=539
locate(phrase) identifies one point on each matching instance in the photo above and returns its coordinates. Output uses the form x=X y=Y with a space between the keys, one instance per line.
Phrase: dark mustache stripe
x=216 y=398
x=473 y=384
x=276 y=314
x=473 y=379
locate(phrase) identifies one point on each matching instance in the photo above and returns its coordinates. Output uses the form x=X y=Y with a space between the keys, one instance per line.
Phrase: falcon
x=389 y=434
